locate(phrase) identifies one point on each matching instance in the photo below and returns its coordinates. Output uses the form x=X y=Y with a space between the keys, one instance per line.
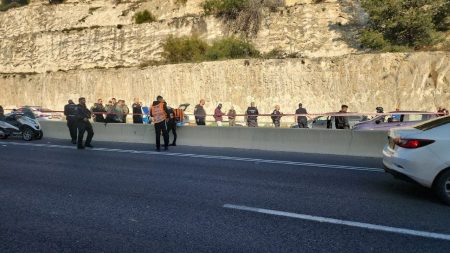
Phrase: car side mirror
x=378 y=122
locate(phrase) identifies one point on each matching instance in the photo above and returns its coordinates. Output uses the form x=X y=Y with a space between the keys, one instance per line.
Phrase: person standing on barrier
x=172 y=126
x=302 y=121
x=137 y=112
x=232 y=117
x=252 y=115
x=200 y=113
x=160 y=113
x=82 y=116
x=342 y=121
x=276 y=116
x=70 y=113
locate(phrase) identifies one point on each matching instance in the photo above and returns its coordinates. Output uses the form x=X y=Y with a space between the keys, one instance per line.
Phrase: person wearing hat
x=218 y=115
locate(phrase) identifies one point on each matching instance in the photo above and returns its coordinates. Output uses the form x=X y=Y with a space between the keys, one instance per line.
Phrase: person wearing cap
x=218 y=115
x=160 y=114
x=70 y=113
x=83 y=114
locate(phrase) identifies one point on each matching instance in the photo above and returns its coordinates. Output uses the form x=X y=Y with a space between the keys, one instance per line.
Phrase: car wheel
x=442 y=187
x=27 y=134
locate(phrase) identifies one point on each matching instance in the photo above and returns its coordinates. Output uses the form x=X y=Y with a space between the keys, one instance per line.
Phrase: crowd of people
x=116 y=111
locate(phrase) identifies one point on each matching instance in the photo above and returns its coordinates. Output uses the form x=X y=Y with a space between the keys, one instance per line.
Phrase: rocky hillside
x=49 y=53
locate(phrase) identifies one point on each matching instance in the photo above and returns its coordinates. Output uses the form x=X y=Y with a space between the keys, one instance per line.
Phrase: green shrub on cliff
x=404 y=23
x=193 y=49
x=231 y=48
x=144 y=17
x=224 y=8
x=8 y=4
x=184 y=49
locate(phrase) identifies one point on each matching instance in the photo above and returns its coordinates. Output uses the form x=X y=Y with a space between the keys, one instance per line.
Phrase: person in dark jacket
x=160 y=114
x=98 y=109
x=302 y=121
x=342 y=121
x=70 y=113
x=276 y=116
x=83 y=115
x=2 y=113
x=172 y=126
x=137 y=112
x=252 y=115
x=200 y=113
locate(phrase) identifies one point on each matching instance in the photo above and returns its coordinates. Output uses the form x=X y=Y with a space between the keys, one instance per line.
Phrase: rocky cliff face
x=88 y=34
x=50 y=53
x=419 y=81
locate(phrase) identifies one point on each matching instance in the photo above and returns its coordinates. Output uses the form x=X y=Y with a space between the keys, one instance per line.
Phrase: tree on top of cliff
x=405 y=23
x=241 y=15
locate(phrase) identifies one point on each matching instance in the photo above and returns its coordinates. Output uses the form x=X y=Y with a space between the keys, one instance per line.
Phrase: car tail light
x=412 y=143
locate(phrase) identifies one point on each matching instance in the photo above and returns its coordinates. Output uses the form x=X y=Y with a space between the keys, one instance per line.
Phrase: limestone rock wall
x=101 y=34
x=418 y=81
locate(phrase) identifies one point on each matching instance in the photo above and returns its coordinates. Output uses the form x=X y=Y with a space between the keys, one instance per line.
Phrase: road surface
x=126 y=198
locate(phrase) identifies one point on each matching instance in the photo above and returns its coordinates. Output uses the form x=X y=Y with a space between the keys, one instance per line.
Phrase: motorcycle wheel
x=27 y=134
x=39 y=135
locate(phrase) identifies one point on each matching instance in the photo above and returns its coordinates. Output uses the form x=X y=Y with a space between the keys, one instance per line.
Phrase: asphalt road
x=125 y=198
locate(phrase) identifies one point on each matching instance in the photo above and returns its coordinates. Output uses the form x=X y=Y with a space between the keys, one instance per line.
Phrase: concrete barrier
x=336 y=142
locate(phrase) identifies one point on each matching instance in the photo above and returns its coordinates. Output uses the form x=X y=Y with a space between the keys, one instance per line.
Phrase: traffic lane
x=261 y=154
x=52 y=221
x=353 y=195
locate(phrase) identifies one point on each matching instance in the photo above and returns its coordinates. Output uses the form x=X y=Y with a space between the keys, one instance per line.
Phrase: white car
x=421 y=154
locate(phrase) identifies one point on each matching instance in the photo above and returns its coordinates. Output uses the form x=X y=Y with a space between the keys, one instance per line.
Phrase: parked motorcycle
x=21 y=123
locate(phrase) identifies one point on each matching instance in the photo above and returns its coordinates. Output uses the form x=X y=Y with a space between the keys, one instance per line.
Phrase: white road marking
x=369 y=226
x=216 y=157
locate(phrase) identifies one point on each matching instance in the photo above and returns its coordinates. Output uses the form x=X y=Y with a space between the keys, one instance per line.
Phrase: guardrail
x=335 y=142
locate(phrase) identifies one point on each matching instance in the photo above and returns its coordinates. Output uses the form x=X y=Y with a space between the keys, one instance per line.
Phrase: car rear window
x=433 y=123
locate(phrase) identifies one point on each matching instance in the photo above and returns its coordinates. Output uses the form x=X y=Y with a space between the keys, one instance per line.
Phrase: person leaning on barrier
x=70 y=113
x=200 y=113
x=302 y=121
x=232 y=117
x=82 y=116
x=160 y=114
x=342 y=121
x=172 y=126
x=252 y=115
x=442 y=111
x=276 y=116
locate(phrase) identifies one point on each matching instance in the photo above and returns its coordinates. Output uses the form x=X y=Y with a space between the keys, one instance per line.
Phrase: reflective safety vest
x=158 y=113
x=178 y=114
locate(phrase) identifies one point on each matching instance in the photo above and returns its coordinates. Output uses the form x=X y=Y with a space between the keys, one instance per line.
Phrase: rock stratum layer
x=418 y=81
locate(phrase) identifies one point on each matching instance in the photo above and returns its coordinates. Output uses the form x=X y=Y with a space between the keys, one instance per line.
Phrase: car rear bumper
x=405 y=165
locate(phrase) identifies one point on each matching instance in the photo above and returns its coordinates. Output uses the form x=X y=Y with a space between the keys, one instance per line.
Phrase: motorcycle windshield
x=29 y=113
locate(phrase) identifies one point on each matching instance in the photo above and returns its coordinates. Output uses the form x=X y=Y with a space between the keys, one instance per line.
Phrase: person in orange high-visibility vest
x=160 y=115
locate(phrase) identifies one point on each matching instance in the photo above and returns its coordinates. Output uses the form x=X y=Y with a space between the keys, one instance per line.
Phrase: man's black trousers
x=173 y=127
x=84 y=126
x=161 y=127
x=72 y=125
